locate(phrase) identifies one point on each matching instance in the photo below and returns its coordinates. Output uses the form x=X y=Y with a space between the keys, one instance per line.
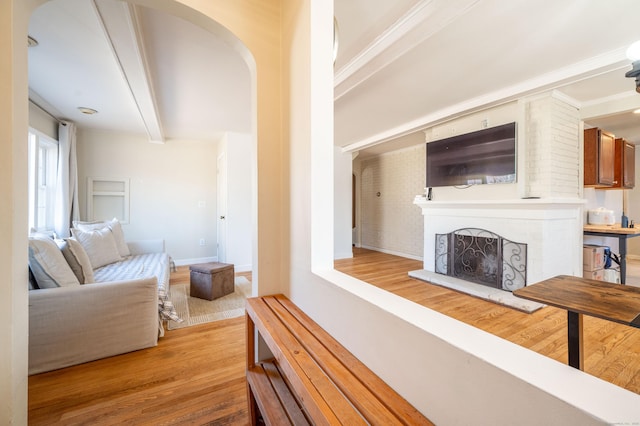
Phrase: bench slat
x=270 y=408
x=368 y=402
x=288 y=400
x=393 y=402
x=307 y=380
x=331 y=384
x=266 y=380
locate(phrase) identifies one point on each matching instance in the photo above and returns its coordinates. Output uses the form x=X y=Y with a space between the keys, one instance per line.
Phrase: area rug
x=195 y=311
x=491 y=294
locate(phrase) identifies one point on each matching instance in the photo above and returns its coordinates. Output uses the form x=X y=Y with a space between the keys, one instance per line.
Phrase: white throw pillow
x=118 y=234
x=77 y=259
x=48 y=265
x=35 y=234
x=99 y=244
x=89 y=226
x=116 y=228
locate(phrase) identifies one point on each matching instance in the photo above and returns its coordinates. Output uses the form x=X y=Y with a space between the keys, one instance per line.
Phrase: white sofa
x=121 y=310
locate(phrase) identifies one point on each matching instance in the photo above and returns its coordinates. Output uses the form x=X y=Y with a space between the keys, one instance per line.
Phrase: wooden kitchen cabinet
x=624 y=165
x=599 y=158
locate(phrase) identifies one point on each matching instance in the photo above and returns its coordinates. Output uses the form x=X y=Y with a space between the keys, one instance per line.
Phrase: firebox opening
x=482 y=257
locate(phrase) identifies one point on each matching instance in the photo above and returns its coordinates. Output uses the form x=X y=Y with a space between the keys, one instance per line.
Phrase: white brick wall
x=553 y=148
x=391 y=222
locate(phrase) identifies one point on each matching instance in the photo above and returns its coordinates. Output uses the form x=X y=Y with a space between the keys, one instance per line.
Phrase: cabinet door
x=628 y=165
x=606 y=160
x=591 y=157
x=599 y=156
x=625 y=165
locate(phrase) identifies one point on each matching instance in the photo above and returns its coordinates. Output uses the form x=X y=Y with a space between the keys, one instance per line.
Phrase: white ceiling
x=402 y=66
x=144 y=71
x=451 y=57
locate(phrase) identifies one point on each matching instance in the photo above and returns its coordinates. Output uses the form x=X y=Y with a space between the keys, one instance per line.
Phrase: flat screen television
x=487 y=156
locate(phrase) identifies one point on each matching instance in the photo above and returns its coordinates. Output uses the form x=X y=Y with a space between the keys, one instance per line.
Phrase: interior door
x=222 y=207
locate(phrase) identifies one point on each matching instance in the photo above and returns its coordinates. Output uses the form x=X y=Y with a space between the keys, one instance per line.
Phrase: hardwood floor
x=612 y=351
x=196 y=375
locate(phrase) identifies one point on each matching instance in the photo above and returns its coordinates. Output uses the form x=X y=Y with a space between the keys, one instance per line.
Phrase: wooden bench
x=312 y=379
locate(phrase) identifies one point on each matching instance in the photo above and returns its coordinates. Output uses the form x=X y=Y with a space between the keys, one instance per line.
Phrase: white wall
x=390 y=222
x=14 y=121
x=167 y=183
x=238 y=150
x=343 y=173
x=633 y=196
x=432 y=360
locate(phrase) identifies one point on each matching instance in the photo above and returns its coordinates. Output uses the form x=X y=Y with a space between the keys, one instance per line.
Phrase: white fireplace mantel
x=518 y=203
x=551 y=228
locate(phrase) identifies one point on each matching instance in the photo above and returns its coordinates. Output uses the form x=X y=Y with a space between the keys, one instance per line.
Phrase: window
x=43 y=164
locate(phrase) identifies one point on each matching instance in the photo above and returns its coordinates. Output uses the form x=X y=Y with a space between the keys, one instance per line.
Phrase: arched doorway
x=258 y=31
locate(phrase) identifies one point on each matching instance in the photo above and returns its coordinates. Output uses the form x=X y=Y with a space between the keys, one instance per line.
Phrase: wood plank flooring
x=196 y=375
x=612 y=351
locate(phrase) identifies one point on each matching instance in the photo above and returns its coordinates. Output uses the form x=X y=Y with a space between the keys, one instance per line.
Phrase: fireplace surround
x=483 y=257
x=550 y=227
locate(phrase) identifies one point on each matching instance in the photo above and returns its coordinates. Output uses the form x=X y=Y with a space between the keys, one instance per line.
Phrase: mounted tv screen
x=487 y=156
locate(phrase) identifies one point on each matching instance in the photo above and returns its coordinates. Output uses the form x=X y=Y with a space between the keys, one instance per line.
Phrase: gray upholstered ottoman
x=211 y=280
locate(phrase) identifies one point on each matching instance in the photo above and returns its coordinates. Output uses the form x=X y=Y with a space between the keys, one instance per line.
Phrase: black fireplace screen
x=482 y=257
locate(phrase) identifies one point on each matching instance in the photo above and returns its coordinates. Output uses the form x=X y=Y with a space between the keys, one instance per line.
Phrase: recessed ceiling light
x=88 y=111
x=31 y=42
x=637 y=111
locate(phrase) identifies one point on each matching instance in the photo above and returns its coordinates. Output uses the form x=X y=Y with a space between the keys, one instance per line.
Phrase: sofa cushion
x=49 y=267
x=99 y=244
x=115 y=227
x=33 y=285
x=78 y=259
x=142 y=266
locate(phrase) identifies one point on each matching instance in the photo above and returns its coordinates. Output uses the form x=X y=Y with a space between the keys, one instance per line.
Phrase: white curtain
x=67 y=182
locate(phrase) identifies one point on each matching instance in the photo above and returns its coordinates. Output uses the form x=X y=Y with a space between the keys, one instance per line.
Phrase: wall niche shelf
x=108 y=198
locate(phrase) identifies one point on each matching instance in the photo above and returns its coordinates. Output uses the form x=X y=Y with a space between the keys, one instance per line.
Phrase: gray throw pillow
x=48 y=265
x=99 y=244
x=77 y=259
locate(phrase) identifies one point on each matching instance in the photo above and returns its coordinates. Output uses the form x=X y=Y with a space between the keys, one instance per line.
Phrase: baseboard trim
x=339 y=256
x=236 y=268
x=395 y=253
x=242 y=268
x=193 y=261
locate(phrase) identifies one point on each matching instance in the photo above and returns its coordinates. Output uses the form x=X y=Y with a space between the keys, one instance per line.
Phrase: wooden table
x=615 y=231
x=581 y=296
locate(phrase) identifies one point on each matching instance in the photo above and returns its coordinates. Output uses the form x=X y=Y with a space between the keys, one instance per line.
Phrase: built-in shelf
x=108 y=198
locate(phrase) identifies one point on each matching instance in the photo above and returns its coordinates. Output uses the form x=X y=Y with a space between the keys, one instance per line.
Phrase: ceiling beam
x=121 y=26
